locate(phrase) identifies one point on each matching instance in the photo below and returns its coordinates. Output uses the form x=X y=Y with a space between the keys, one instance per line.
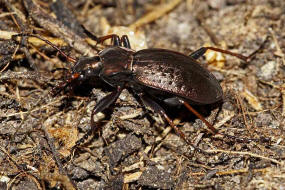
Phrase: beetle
x=150 y=74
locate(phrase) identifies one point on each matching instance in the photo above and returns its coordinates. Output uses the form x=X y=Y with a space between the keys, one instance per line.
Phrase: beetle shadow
x=177 y=111
x=84 y=88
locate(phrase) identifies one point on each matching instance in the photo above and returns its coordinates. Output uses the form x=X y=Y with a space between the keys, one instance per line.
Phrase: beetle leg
x=115 y=38
x=116 y=41
x=70 y=59
x=105 y=103
x=198 y=53
x=190 y=108
x=89 y=34
x=211 y=127
x=202 y=51
x=126 y=42
x=157 y=108
x=99 y=107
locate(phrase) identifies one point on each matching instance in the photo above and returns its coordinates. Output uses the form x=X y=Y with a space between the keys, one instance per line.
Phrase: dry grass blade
x=156 y=13
x=58 y=29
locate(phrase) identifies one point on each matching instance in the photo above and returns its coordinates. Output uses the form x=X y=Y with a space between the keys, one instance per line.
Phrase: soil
x=133 y=147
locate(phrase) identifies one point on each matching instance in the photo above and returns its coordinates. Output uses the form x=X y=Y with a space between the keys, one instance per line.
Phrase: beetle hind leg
x=198 y=53
x=157 y=108
x=190 y=108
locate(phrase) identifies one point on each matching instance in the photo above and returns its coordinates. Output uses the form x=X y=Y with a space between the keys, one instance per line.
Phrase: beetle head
x=85 y=63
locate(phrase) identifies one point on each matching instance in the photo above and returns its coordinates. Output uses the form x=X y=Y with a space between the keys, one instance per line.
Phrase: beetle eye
x=88 y=71
x=96 y=65
x=81 y=76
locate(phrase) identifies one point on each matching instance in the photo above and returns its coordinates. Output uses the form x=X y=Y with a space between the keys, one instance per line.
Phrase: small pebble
x=268 y=70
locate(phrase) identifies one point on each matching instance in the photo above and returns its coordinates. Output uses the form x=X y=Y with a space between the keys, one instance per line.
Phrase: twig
x=279 y=50
x=229 y=116
x=243 y=113
x=11 y=58
x=231 y=172
x=207 y=29
x=8 y=75
x=58 y=28
x=244 y=153
x=7 y=14
x=21 y=22
x=132 y=177
x=156 y=13
x=33 y=110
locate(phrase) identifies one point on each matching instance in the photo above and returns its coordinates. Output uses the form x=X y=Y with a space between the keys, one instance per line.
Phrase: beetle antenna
x=71 y=59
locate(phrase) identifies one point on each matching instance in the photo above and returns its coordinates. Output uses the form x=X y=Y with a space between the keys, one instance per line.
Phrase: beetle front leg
x=115 y=38
x=99 y=107
x=116 y=41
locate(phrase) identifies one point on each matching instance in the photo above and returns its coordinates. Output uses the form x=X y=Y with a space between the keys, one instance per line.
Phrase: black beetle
x=178 y=78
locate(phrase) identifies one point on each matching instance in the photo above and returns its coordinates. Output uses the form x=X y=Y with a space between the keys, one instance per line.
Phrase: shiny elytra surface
x=177 y=74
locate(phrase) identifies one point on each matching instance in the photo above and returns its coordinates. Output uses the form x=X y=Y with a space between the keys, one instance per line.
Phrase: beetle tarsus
x=89 y=34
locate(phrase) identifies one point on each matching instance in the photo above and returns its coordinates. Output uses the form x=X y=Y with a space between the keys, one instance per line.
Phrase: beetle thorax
x=116 y=59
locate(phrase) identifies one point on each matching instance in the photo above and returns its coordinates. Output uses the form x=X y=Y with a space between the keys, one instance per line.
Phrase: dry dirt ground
x=135 y=148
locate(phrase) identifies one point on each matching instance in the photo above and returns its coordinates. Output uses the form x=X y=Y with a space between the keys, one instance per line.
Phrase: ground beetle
x=149 y=73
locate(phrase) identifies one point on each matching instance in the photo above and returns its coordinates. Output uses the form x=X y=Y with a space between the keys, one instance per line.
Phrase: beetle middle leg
x=126 y=42
x=116 y=40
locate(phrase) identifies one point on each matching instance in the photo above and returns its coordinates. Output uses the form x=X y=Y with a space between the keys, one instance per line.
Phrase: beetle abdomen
x=177 y=74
